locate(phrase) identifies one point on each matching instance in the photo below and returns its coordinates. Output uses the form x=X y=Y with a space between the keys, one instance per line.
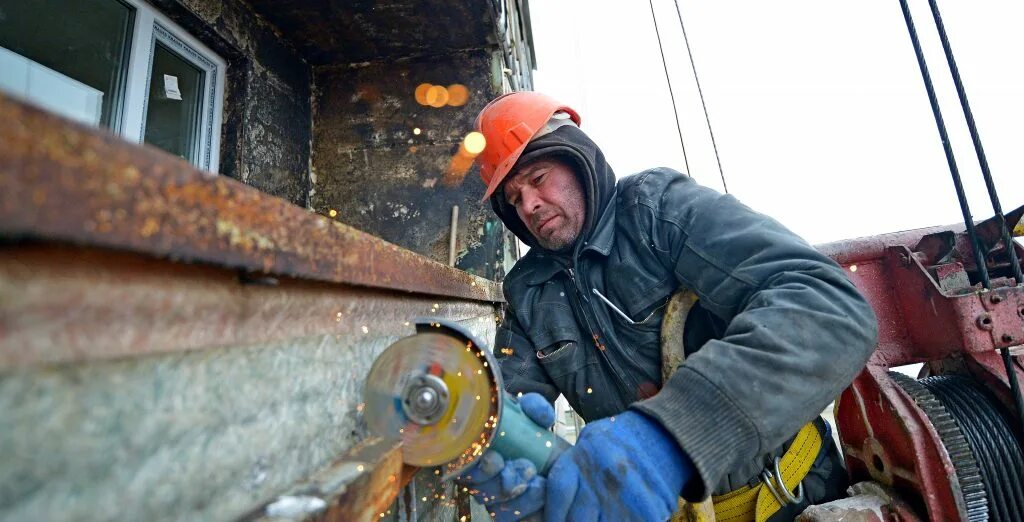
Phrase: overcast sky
x=818 y=108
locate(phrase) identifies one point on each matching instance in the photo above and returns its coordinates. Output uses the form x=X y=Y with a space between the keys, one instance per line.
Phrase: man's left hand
x=626 y=467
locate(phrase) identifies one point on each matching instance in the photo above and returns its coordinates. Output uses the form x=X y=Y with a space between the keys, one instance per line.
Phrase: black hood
x=571 y=144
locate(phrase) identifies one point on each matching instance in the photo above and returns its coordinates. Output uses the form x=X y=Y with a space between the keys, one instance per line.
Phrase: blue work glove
x=511 y=490
x=626 y=467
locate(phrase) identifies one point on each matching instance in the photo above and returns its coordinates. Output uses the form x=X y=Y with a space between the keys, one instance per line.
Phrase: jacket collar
x=603 y=236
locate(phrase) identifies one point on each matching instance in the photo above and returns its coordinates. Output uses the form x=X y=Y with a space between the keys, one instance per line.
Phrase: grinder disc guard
x=437 y=394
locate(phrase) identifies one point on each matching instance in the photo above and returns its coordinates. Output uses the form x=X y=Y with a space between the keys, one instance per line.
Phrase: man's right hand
x=511 y=490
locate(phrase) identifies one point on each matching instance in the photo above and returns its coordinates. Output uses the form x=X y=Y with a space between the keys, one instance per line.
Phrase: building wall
x=379 y=176
x=266 y=132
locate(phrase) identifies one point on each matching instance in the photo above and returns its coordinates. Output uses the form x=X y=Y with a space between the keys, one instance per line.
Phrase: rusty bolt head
x=985 y=321
x=995 y=298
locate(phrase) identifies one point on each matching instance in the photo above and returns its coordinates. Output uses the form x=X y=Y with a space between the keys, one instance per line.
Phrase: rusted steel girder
x=63 y=304
x=359 y=486
x=66 y=182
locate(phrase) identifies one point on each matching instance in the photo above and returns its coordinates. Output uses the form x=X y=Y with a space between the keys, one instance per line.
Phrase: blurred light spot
x=332 y=213
x=421 y=93
x=360 y=468
x=474 y=143
x=853 y=268
x=458 y=95
x=416 y=131
x=437 y=96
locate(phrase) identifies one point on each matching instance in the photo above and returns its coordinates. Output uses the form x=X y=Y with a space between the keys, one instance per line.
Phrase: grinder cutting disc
x=437 y=395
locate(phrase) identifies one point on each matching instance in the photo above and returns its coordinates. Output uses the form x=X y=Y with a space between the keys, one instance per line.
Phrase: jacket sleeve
x=520 y=369
x=798 y=330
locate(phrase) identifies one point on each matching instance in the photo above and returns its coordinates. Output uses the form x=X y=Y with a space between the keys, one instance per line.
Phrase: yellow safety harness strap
x=756 y=504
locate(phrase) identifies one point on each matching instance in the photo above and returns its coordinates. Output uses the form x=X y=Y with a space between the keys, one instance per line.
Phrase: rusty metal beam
x=359 y=486
x=63 y=304
x=66 y=182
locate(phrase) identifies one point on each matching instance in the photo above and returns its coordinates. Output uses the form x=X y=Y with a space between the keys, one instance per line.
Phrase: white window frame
x=152 y=27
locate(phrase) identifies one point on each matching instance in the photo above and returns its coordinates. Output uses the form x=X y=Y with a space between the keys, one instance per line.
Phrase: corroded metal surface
x=69 y=304
x=359 y=486
x=65 y=182
x=140 y=388
x=928 y=311
x=872 y=248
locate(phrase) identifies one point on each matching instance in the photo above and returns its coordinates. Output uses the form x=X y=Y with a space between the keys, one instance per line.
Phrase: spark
x=365 y=329
x=590 y=390
x=853 y=268
x=332 y=213
x=548 y=443
x=416 y=131
x=360 y=468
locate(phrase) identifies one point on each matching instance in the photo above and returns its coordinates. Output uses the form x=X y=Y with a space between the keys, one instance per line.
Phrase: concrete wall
x=266 y=132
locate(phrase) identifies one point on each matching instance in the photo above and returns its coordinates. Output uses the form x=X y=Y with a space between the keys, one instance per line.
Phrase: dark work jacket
x=779 y=331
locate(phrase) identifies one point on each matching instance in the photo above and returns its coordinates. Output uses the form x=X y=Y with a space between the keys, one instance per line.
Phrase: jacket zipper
x=581 y=298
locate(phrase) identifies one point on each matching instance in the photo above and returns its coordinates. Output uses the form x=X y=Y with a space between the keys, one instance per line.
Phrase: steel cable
x=985 y=425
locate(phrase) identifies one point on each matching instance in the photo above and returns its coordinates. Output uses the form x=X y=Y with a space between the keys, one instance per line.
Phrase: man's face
x=549 y=200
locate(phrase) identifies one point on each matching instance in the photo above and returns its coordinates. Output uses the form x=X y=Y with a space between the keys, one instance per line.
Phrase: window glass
x=73 y=52
x=175 y=101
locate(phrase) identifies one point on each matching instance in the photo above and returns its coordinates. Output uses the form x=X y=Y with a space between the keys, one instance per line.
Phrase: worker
x=777 y=332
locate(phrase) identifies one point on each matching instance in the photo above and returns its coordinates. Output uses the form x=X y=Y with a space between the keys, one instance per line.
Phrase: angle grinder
x=440 y=392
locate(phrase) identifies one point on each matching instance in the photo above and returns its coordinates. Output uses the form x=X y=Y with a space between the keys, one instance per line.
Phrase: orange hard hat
x=508 y=123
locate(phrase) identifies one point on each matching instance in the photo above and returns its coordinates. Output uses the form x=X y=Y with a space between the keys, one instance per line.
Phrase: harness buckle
x=778 y=488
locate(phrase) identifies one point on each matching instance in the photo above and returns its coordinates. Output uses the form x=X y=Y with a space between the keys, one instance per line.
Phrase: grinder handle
x=518 y=436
